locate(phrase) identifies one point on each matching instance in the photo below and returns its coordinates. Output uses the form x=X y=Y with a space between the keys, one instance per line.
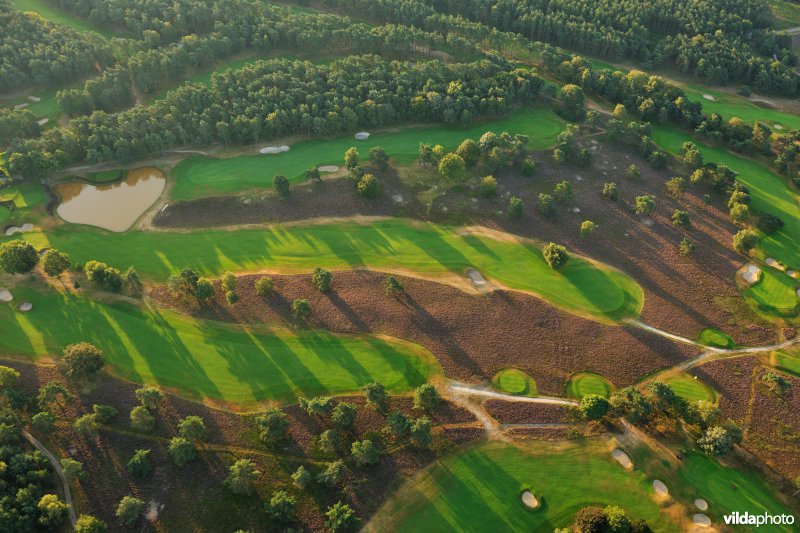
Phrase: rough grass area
x=59 y=16
x=204 y=359
x=690 y=388
x=582 y=383
x=582 y=286
x=715 y=337
x=514 y=381
x=786 y=13
x=203 y=176
x=479 y=490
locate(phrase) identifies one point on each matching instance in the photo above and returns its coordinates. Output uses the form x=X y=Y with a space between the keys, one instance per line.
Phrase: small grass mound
x=690 y=388
x=716 y=338
x=516 y=382
x=787 y=362
x=583 y=383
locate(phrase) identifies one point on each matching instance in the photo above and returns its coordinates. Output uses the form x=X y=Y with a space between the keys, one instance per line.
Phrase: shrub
x=83 y=360
x=232 y=298
x=43 y=422
x=378 y=157
x=745 y=240
x=18 y=257
x=470 y=152
x=329 y=441
x=281 y=186
x=265 y=286
x=594 y=407
x=72 y=469
x=376 y=396
x=104 y=413
x=301 y=477
x=426 y=397
x=675 y=187
x=241 y=476
x=113 y=280
x=715 y=441
x=332 y=475
x=398 y=424
x=53 y=511
x=86 y=425
x=139 y=465
x=610 y=191
x=89 y=524
x=392 y=286
x=452 y=167
x=739 y=213
x=282 y=507
x=273 y=425
x=632 y=172
x=55 y=263
x=545 y=205
x=591 y=520
x=192 y=428
x=229 y=282
x=777 y=383
x=420 y=431
x=181 y=450
x=562 y=192
x=142 y=420
x=645 y=205
x=515 y=206
x=680 y=219
x=528 y=167
x=769 y=223
x=587 y=228
x=322 y=279
x=365 y=453
x=368 y=186
x=205 y=290
x=341 y=518
x=488 y=187
x=301 y=309
x=312 y=174
x=149 y=397
x=129 y=510
x=555 y=255
x=351 y=157
x=686 y=247
x=343 y=416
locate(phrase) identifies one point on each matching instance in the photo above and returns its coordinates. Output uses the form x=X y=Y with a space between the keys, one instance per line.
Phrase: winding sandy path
x=57 y=467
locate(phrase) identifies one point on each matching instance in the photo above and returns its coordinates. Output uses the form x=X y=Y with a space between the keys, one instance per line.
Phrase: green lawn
x=202 y=176
x=732 y=105
x=479 y=490
x=715 y=337
x=768 y=192
x=26 y=197
x=691 y=389
x=514 y=381
x=582 y=383
x=789 y=363
x=47 y=107
x=582 y=286
x=786 y=13
x=53 y=14
x=203 y=359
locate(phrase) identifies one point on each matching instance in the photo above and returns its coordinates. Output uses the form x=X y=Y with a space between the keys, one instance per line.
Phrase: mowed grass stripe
x=203 y=176
x=204 y=359
x=583 y=287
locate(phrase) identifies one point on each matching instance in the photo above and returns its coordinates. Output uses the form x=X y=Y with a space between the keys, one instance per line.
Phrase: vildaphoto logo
x=758 y=520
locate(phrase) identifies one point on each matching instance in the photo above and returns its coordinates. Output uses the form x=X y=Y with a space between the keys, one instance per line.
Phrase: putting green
x=479 y=490
x=774 y=294
x=715 y=337
x=690 y=388
x=204 y=359
x=514 y=381
x=583 y=286
x=582 y=383
x=203 y=176
x=768 y=191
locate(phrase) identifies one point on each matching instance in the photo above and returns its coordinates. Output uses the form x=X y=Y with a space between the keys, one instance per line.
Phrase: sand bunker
x=701 y=504
x=329 y=168
x=660 y=488
x=274 y=149
x=476 y=277
x=25 y=307
x=576 y=210
x=771 y=262
x=362 y=136
x=530 y=500
x=709 y=97
x=21 y=106
x=622 y=458
x=34 y=99
x=751 y=273
x=43 y=121
x=777 y=126
x=5 y=295
x=398 y=199
x=792 y=273
x=701 y=520
x=11 y=230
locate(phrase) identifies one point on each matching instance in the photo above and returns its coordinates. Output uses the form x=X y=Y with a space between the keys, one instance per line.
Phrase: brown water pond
x=113 y=206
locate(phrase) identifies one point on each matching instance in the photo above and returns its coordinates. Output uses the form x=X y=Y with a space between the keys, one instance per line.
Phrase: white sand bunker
x=398 y=199
x=660 y=488
x=772 y=262
x=476 y=277
x=274 y=149
x=11 y=230
x=329 y=168
x=701 y=504
x=25 y=307
x=362 y=136
x=34 y=98
x=751 y=273
x=576 y=210
x=701 y=520
x=778 y=126
x=792 y=273
x=153 y=509
x=21 y=106
x=622 y=458
x=5 y=295
x=709 y=97
x=530 y=500
x=43 y=121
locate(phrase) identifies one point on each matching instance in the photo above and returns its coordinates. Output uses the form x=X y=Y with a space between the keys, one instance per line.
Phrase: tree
x=769 y=222
x=618 y=521
x=555 y=255
x=392 y=286
x=301 y=477
x=83 y=360
x=572 y=100
x=378 y=157
x=72 y=469
x=426 y=397
x=680 y=219
x=18 y=257
x=376 y=396
x=43 y=422
x=273 y=425
x=322 y=279
x=528 y=167
x=53 y=511
x=587 y=228
x=745 y=240
x=232 y=298
x=132 y=281
x=594 y=407
x=686 y=247
x=55 y=263
x=715 y=441
x=313 y=175
x=562 y=192
x=142 y=420
x=633 y=172
x=241 y=476
x=51 y=393
x=265 y=286
x=192 y=428
x=89 y=524
x=365 y=453
x=545 y=205
x=470 y=152
x=644 y=205
x=515 y=206
x=426 y=157
x=318 y=406
x=281 y=185
x=139 y=465
x=181 y=450
x=130 y=509
x=104 y=413
x=398 y=424
x=282 y=507
x=675 y=187
x=341 y=518
x=776 y=383
x=420 y=431
x=351 y=158
x=149 y=397
x=344 y=415
x=8 y=377
x=301 y=308
x=452 y=167
x=205 y=290
x=229 y=282
x=329 y=441
x=488 y=187
x=86 y=425
x=591 y=519
x=610 y=191
x=332 y=475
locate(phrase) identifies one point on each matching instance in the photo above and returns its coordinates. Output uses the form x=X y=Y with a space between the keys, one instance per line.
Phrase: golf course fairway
x=581 y=287
x=203 y=176
x=204 y=359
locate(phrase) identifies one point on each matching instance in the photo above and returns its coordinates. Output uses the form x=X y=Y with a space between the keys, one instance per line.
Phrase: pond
x=113 y=206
